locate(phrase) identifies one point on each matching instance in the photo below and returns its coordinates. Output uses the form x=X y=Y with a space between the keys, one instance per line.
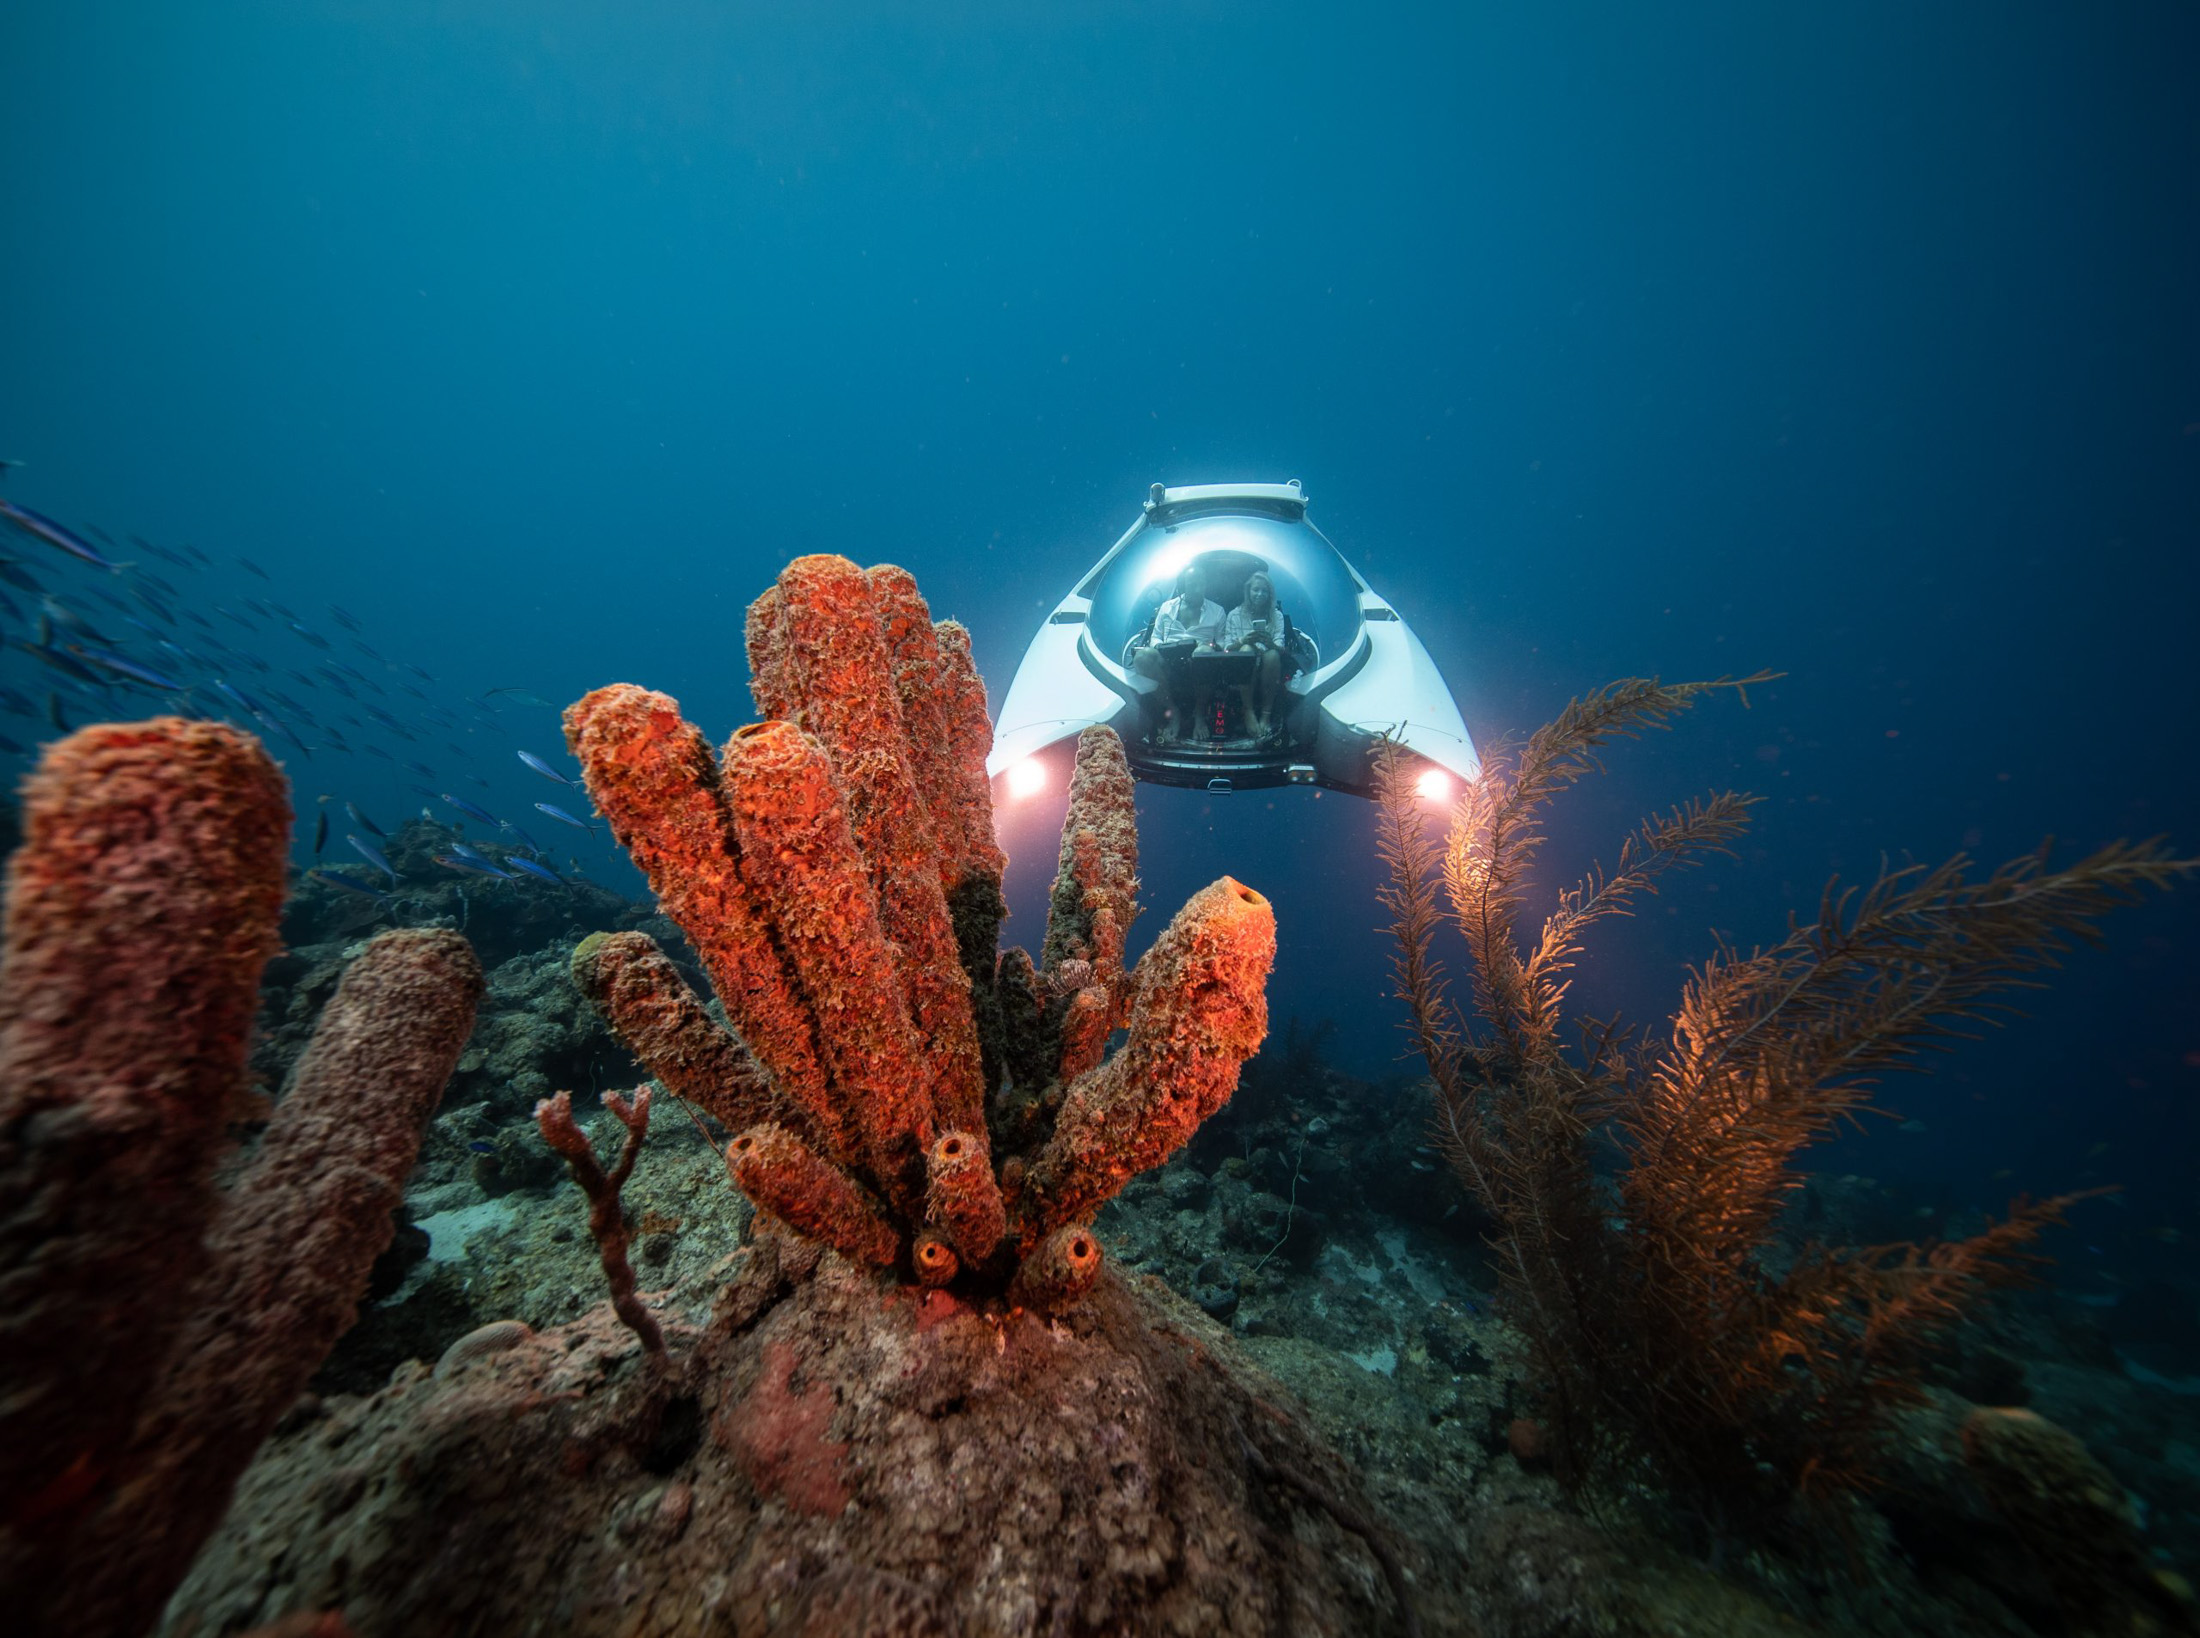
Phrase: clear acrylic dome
x=1230 y=540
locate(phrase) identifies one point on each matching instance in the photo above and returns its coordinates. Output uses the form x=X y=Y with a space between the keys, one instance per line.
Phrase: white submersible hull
x=1355 y=670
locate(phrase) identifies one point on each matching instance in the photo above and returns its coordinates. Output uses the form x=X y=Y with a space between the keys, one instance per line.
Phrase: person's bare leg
x=1151 y=666
x=1267 y=683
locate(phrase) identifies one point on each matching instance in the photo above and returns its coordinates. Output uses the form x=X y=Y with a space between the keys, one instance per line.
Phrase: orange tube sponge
x=959 y=1109
x=962 y=1196
x=277 y=1276
x=804 y=1190
x=913 y=658
x=1016 y=985
x=653 y=777
x=649 y=1006
x=1093 y=903
x=1098 y=869
x=1058 y=1270
x=974 y=901
x=947 y=726
x=934 y=1259
x=771 y=682
x=800 y=860
x=301 y=1228
x=1201 y=1012
x=1088 y=1019
x=142 y=906
x=970 y=736
x=833 y=653
x=284 y=1266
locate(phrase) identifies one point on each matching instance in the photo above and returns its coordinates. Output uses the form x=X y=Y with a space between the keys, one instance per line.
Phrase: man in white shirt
x=1192 y=615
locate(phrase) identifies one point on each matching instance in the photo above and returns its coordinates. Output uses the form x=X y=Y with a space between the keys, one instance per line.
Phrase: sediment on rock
x=833 y=1449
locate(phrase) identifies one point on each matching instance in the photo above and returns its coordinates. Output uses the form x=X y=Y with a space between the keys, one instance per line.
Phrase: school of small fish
x=154 y=648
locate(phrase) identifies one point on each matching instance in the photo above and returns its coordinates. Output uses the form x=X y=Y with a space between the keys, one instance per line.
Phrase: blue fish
x=344 y=618
x=47 y=655
x=256 y=569
x=62 y=615
x=363 y=822
x=313 y=637
x=274 y=724
x=373 y=855
x=161 y=552
x=243 y=700
x=535 y=762
x=13 y=572
x=40 y=527
x=452 y=862
x=561 y=816
x=534 y=869
x=126 y=667
x=469 y=853
x=336 y=878
x=467 y=808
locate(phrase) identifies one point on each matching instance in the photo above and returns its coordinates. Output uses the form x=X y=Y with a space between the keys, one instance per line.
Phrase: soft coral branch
x=606 y=1213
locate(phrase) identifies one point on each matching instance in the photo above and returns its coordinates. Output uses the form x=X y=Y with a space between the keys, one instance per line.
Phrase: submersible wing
x=1322 y=667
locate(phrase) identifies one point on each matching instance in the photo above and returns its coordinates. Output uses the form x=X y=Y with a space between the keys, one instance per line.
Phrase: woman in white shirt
x=1257 y=626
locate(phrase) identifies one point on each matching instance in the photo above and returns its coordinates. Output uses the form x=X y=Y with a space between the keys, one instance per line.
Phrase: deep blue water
x=1861 y=345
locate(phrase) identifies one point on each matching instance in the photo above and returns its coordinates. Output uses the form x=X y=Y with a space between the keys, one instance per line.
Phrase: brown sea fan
x=1656 y=1328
